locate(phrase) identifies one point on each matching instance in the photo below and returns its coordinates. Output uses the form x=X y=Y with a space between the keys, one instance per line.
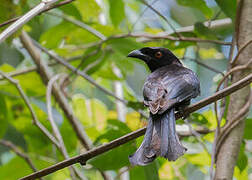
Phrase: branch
x=163 y=17
x=203 y=65
x=18 y=152
x=35 y=120
x=56 y=132
x=34 y=68
x=133 y=135
x=169 y=37
x=47 y=9
x=25 y=18
x=80 y=73
x=79 y=24
x=59 y=96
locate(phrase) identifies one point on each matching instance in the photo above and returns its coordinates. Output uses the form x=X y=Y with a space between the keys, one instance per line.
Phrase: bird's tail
x=160 y=139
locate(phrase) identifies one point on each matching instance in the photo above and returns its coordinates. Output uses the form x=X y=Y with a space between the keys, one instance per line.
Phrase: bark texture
x=229 y=150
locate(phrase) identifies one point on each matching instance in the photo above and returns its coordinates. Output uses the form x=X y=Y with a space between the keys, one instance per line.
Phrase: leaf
x=197 y=4
x=248 y=127
x=199 y=118
x=116 y=11
x=92 y=113
x=124 y=45
x=242 y=161
x=10 y=55
x=71 y=10
x=59 y=34
x=6 y=171
x=136 y=105
x=228 y=7
x=149 y=172
x=88 y=9
x=114 y=130
x=202 y=31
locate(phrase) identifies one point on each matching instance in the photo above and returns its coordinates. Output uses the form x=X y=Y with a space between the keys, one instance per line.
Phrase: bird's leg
x=181 y=109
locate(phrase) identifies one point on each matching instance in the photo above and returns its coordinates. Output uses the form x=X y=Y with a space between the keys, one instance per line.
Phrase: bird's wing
x=164 y=94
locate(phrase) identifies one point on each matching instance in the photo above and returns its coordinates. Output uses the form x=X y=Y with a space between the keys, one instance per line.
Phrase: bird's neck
x=154 y=66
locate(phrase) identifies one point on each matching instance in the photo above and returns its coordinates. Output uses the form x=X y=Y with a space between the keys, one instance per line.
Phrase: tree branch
x=47 y=9
x=59 y=96
x=25 y=18
x=228 y=149
x=133 y=135
x=55 y=129
x=35 y=120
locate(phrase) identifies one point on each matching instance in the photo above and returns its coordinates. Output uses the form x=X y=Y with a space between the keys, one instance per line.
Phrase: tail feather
x=175 y=148
x=160 y=139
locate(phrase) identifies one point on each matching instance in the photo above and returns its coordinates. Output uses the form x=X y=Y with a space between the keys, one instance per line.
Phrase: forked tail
x=160 y=139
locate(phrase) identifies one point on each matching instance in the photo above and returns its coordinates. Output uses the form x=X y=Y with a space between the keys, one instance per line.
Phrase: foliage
x=95 y=110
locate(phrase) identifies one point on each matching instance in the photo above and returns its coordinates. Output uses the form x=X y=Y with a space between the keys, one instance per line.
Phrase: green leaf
x=149 y=172
x=202 y=31
x=124 y=45
x=115 y=158
x=136 y=105
x=114 y=130
x=197 y=4
x=199 y=118
x=228 y=7
x=89 y=10
x=71 y=10
x=247 y=130
x=59 y=33
x=9 y=55
x=242 y=161
x=116 y=11
x=22 y=169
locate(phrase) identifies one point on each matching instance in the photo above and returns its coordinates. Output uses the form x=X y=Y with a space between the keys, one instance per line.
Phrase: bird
x=168 y=88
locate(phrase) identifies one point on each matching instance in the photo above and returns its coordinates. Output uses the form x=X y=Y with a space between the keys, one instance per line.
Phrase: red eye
x=158 y=54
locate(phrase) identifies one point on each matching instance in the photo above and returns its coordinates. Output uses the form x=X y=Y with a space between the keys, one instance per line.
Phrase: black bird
x=168 y=88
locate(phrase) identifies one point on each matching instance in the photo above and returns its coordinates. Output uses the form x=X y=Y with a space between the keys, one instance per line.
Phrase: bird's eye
x=158 y=54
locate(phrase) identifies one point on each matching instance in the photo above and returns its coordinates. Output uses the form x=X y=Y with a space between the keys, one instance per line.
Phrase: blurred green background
x=96 y=111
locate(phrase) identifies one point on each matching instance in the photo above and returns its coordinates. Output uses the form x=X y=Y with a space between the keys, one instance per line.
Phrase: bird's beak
x=138 y=54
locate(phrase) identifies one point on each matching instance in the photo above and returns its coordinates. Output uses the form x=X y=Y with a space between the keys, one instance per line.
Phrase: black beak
x=138 y=54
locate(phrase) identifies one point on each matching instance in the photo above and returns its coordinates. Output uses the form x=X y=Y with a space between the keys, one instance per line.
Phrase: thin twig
x=140 y=16
x=35 y=120
x=197 y=136
x=240 y=51
x=79 y=24
x=133 y=135
x=59 y=96
x=25 y=18
x=80 y=73
x=62 y=3
x=18 y=152
x=203 y=65
x=55 y=129
x=237 y=119
x=163 y=17
x=34 y=68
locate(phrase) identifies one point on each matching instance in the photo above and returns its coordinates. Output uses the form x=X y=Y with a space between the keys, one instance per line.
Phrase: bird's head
x=155 y=57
